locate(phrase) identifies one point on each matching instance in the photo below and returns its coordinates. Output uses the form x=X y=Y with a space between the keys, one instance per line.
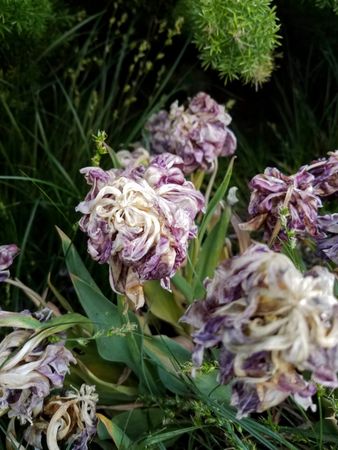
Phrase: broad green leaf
x=67 y=321
x=217 y=197
x=105 y=315
x=162 y=303
x=208 y=384
x=183 y=286
x=108 y=392
x=74 y=262
x=138 y=422
x=17 y=320
x=169 y=357
x=119 y=437
x=166 y=351
x=210 y=253
x=174 y=382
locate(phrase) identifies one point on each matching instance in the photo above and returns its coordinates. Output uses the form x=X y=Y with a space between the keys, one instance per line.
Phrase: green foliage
x=333 y=4
x=236 y=38
x=26 y=18
x=106 y=76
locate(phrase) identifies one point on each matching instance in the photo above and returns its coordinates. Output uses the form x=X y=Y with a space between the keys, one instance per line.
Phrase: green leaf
x=211 y=253
x=67 y=321
x=208 y=384
x=166 y=351
x=17 y=320
x=120 y=438
x=169 y=357
x=183 y=286
x=108 y=392
x=219 y=195
x=162 y=303
x=138 y=422
x=104 y=314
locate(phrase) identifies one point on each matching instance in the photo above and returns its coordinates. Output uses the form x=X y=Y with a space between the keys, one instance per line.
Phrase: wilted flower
x=325 y=171
x=198 y=133
x=70 y=419
x=134 y=158
x=140 y=220
x=328 y=224
x=30 y=367
x=272 y=323
x=7 y=254
x=273 y=191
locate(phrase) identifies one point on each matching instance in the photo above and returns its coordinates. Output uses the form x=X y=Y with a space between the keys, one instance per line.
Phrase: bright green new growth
x=236 y=38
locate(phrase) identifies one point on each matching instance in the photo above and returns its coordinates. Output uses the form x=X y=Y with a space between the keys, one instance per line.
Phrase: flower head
x=272 y=323
x=325 y=171
x=70 y=419
x=139 y=221
x=30 y=366
x=273 y=191
x=328 y=244
x=198 y=133
x=7 y=254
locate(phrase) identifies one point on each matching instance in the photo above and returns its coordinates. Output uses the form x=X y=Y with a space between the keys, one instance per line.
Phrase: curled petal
x=140 y=222
x=198 y=133
x=272 y=323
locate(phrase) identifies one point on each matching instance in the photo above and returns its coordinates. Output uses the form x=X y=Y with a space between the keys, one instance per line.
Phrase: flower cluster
x=7 y=254
x=139 y=220
x=272 y=323
x=300 y=195
x=30 y=367
x=198 y=133
x=70 y=418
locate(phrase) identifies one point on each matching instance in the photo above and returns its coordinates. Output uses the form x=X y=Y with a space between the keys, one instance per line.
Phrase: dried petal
x=328 y=245
x=273 y=191
x=325 y=171
x=29 y=368
x=198 y=134
x=272 y=323
x=72 y=418
x=140 y=221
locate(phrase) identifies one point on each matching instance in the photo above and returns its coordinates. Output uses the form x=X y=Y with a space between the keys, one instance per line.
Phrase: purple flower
x=325 y=171
x=272 y=323
x=198 y=134
x=139 y=221
x=273 y=192
x=328 y=245
x=7 y=254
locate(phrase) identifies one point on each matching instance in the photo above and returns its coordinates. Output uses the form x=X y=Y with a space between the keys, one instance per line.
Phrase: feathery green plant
x=236 y=38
